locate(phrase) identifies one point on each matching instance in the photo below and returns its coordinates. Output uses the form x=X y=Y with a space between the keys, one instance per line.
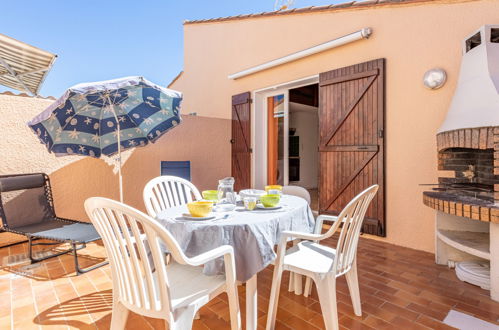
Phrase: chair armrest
x=320 y=221
x=299 y=235
x=203 y=258
x=281 y=248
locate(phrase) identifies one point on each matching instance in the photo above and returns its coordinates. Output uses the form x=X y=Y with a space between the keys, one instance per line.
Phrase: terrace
x=415 y=294
x=353 y=162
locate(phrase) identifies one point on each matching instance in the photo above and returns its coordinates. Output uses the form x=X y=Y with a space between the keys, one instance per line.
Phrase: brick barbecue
x=473 y=155
x=468 y=141
x=468 y=156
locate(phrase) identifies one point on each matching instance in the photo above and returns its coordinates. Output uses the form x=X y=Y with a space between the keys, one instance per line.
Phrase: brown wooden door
x=351 y=147
x=241 y=140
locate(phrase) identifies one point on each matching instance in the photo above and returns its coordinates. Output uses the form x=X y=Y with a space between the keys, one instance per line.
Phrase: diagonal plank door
x=351 y=147
x=241 y=140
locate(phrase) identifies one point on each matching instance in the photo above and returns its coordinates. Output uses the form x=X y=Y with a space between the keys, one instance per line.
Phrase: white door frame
x=259 y=128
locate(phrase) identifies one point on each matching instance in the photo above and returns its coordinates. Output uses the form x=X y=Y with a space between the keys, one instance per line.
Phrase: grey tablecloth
x=253 y=235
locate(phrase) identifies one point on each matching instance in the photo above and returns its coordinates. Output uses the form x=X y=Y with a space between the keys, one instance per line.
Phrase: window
x=473 y=42
x=494 y=35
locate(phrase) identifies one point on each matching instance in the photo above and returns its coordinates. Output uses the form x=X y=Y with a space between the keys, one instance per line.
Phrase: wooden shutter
x=241 y=140
x=351 y=148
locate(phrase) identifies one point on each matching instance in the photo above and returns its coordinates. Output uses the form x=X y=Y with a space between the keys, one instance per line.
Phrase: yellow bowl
x=270 y=200
x=211 y=195
x=200 y=209
x=273 y=187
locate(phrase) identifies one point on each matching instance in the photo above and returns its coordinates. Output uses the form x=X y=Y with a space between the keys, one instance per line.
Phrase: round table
x=252 y=234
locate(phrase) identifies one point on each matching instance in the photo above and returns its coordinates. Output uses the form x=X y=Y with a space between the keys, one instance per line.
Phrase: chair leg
x=298 y=283
x=308 y=287
x=79 y=270
x=119 y=316
x=291 y=286
x=327 y=297
x=184 y=320
x=235 y=313
x=274 y=297
x=353 y=287
x=52 y=255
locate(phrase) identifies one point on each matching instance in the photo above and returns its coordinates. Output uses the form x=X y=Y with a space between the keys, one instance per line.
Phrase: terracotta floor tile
x=428 y=311
x=412 y=295
x=401 y=323
x=408 y=314
x=432 y=323
x=379 y=312
x=482 y=313
x=353 y=324
x=378 y=323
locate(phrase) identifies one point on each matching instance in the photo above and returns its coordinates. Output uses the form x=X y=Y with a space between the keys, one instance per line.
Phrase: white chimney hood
x=476 y=98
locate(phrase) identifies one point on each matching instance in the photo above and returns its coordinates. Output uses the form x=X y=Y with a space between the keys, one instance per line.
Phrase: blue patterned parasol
x=92 y=119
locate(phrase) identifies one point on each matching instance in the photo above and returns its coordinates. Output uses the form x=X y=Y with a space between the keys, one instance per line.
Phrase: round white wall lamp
x=435 y=78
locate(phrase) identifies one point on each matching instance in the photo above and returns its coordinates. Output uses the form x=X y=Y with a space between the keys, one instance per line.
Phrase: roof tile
x=9 y=93
x=366 y=3
x=349 y=4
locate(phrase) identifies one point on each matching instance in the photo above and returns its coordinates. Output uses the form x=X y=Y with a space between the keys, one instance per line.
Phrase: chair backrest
x=297 y=191
x=25 y=199
x=168 y=191
x=133 y=245
x=351 y=219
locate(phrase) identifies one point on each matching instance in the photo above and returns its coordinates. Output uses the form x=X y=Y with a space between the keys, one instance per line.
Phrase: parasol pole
x=119 y=147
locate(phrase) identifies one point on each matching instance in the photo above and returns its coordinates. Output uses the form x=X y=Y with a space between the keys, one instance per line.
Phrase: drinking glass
x=249 y=203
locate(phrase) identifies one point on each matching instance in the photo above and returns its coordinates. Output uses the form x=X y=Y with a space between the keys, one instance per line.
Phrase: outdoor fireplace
x=468 y=152
x=472 y=190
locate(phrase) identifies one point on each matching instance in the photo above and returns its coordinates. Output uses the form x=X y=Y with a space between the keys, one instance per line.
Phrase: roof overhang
x=23 y=67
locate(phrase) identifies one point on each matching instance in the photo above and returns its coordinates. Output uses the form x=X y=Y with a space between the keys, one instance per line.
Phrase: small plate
x=187 y=216
x=261 y=207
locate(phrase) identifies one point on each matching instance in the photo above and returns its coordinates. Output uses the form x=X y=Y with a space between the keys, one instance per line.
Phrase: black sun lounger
x=31 y=213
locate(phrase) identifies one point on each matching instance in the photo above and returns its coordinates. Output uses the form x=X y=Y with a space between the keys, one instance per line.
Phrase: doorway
x=271 y=134
x=303 y=156
x=291 y=136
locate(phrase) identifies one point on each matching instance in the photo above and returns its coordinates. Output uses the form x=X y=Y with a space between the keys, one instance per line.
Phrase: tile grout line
x=56 y=295
x=34 y=302
x=78 y=294
x=11 y=303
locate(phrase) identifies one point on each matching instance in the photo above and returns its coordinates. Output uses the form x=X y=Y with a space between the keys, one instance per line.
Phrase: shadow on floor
x=75 y=312
x=52 y=268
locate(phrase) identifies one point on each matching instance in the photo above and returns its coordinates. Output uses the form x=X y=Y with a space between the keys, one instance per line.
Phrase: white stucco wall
x=20 y=149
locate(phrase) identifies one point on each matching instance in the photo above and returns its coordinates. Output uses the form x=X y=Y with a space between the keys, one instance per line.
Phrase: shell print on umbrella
x=84 y=120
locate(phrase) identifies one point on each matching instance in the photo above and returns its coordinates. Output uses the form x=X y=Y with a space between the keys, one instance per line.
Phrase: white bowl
x=251 y=193
x=226 y=207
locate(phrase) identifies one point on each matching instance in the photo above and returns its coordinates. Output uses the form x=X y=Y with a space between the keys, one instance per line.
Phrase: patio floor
x=400 y=289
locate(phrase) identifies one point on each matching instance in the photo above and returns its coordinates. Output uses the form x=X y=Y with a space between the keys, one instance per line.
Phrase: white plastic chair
x=324 y=264
x=143 y=282
x=167 y=191
x=297 y=191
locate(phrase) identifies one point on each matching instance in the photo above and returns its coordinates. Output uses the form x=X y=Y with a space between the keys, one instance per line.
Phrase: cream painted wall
x=203 y=141
x=412 y=37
